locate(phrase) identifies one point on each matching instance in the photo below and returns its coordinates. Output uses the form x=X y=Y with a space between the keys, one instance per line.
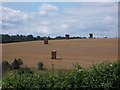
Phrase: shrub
x=40 y=66
x=116 y=81
x=16 y=63
x=5 y=66
x=105 y=76
x=23 y=70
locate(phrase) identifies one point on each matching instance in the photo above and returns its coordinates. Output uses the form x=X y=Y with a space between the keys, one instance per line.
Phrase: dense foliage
x=18 y=38
x=5 y=66
x=24 y=70
x=16 y=64
x=104 y=76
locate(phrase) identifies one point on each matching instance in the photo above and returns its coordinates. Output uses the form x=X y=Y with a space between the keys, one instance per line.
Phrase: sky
x=60 y=18
x=60 y=0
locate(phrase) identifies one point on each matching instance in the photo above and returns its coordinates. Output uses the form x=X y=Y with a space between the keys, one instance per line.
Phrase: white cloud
x=45 y=23
x=108 y=19
x=65 y=26
x=47 y=8
x=44 y=30
x=97 y=18
x=93 y=9
x=13 y=19
x=14 y=15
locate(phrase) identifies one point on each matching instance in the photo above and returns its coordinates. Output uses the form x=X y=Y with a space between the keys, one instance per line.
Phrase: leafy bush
x=40 y=66
x=104 y=76
x=16 y=63
x=23 y=70
x=116 y=81
x=5 y=66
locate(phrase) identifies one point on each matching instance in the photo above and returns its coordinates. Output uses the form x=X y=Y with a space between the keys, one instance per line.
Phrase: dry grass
x=83 y=51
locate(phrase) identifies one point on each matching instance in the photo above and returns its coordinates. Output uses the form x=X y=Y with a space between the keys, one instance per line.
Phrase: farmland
x=69 y=52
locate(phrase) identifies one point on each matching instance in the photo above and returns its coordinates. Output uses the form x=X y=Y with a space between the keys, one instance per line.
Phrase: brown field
x=82 y=51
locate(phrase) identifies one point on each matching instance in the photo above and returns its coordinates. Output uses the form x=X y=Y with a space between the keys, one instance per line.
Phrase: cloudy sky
x=54 y=19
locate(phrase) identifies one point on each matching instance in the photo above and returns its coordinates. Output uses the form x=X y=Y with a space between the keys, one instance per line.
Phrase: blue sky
x=33 y=6
x=53 y=19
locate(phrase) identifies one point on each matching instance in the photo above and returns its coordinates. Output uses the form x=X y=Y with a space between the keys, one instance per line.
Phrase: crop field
x=69 y=52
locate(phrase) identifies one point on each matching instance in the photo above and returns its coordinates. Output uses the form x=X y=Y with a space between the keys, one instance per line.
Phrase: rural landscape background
x=77 y=51
x=82 y=61
x=56 y=20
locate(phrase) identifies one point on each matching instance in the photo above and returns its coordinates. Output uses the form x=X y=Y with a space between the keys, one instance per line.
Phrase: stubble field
x=69 y=52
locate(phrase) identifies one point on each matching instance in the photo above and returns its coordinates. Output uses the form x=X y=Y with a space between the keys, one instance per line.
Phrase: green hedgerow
x=104 y=76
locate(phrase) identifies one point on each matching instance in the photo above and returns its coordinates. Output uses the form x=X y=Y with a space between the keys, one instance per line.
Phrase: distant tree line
x=5 y=38
x=18 y=38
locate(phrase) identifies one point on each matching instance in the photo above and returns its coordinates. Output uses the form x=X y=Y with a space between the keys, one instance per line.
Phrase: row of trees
x=18 y=38
x=5 y=38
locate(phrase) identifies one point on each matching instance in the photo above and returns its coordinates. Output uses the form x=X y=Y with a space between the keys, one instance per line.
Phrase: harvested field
x=82 y=51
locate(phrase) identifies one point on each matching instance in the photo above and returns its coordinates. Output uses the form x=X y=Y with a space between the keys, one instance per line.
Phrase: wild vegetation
x=104 y=76
x=40 y=66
